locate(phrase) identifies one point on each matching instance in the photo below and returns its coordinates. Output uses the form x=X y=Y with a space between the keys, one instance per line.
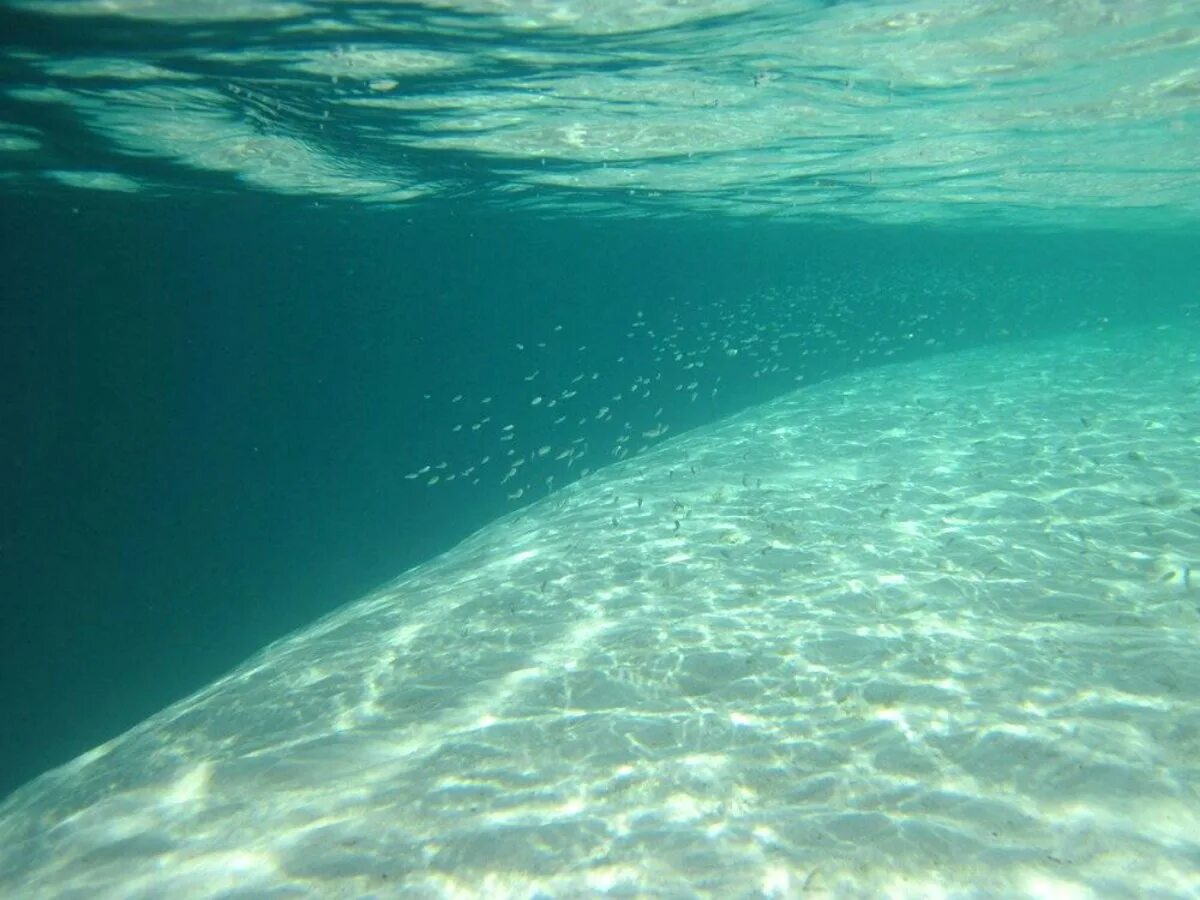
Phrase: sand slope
x=933 y=625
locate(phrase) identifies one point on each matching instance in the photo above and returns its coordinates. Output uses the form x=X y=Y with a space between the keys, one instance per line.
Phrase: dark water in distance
x=237 y=255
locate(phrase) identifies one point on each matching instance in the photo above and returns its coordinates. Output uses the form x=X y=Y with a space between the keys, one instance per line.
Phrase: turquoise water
x=298 y=295
x=1073 y=115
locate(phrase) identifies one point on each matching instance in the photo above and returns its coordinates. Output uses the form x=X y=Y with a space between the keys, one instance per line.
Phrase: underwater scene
x=581 y=448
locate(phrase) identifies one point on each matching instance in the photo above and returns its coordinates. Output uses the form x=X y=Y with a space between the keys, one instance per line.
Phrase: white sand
x=931 y=629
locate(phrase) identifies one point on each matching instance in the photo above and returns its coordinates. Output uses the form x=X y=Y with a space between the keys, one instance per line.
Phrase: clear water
x=1060 y=115
x=297 y=295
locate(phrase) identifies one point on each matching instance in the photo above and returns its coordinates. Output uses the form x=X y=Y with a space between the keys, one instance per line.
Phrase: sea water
x=813 y=384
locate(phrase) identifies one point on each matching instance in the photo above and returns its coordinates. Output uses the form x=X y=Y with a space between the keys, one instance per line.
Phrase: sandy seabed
x=930 y=629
